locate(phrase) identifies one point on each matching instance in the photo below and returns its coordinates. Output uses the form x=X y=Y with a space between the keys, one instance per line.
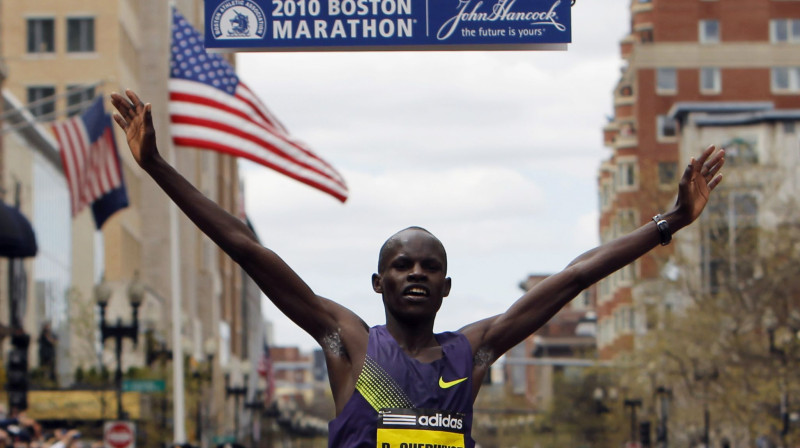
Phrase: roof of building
x=748 y=118
x=681 y=109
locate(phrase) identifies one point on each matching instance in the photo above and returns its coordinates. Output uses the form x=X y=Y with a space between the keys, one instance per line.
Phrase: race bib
x=420 y=428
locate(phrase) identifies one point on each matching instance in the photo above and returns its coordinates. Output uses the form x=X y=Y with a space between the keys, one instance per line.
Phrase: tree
x=730 y=352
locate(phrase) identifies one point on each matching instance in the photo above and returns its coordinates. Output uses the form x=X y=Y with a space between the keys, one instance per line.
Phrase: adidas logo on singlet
x=437 y=421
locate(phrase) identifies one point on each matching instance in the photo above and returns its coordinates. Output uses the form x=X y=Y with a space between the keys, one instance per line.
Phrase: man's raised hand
x=699 y=179
x=135 y=118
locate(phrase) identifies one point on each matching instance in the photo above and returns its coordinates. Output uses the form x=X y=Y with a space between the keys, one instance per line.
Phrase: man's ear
x=376 y=284
x=447 y=284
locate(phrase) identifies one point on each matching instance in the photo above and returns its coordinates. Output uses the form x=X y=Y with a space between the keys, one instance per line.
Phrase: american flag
x=91 y=163
x=210 y=108
x=265 y=370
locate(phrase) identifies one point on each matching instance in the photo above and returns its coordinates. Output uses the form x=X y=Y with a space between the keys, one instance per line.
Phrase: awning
x=17 y=239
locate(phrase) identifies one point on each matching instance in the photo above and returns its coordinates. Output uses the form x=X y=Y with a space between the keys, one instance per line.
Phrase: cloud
x=495 y=152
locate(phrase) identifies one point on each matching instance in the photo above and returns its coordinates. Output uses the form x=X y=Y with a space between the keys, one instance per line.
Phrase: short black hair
x=392 y=241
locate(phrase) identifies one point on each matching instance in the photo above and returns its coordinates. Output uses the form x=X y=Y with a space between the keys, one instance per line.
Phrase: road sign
x=219 y=440
x=143 y=386
x=119 y=434
x=348 y=25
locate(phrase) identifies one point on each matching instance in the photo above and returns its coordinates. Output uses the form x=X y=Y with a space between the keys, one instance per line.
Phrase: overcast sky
x=496 y=153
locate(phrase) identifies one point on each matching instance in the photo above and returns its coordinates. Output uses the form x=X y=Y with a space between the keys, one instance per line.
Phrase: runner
x=399 y=385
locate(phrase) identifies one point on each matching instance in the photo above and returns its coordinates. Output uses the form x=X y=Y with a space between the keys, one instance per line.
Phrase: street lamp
x=662 y=433
x=633 y=403
x=599 y=396
x=209 y=349
x=118 y=331
x=781 y=339
x=706 y=375
x=237 y=391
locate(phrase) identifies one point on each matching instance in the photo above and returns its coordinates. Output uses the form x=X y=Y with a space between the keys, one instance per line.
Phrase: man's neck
x=416 y=339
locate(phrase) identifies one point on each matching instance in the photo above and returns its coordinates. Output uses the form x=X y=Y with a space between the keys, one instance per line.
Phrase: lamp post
x=706 y=375
x=237 y=392
x=781 y=339
x=633 y=403
x=118 y=331
x=600 y=396
x=662 y=433
x=209 y=349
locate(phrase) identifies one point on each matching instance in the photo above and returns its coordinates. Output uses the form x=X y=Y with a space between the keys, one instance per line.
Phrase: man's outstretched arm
x=326 y=321
x=494 y=336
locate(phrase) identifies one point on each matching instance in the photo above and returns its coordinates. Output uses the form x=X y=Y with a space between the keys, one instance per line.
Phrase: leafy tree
x=731 y=350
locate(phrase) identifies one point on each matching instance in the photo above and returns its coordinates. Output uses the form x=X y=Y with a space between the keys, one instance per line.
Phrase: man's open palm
x=134 y=117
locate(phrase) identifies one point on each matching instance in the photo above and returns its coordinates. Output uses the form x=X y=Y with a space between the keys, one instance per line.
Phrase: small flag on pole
x=210 y=108
x=265 y=370
x=91 y=163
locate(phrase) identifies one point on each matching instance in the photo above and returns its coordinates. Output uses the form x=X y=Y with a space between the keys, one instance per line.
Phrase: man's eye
x=400 y=264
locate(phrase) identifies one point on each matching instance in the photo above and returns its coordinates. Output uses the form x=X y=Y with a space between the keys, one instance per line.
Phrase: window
x=626 y=221
x=80 y=35
x=786 y=79
x=78 y=97
x=667 y=173
x=41 y=100
x=626 y=175
x=732 y=237
x=784 y=30
x=709 y=31
x=667 y=127
x=41 y=38
x=710 y=80
x=739 y=152
x=666 y=80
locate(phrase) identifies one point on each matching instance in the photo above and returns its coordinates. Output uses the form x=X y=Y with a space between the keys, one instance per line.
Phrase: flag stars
x=191 y=62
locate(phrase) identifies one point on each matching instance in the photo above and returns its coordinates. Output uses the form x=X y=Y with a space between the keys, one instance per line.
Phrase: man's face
x=413 y=277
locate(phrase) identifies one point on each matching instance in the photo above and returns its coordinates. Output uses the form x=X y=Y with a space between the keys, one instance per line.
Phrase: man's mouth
x=417 y=292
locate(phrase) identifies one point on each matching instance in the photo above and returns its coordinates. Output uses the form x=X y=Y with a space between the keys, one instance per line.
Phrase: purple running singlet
x=400 y=402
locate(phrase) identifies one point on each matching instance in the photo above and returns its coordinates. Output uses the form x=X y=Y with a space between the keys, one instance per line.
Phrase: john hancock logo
x=501 y=11
x=238 y=19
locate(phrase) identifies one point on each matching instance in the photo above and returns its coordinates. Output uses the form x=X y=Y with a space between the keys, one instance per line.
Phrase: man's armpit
x=484 y=357
x=332 y=344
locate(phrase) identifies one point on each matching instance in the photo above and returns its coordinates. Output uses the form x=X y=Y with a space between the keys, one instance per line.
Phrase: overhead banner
x=361 y=25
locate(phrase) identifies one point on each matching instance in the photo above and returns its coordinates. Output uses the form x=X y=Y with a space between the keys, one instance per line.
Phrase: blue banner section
x=320 y=25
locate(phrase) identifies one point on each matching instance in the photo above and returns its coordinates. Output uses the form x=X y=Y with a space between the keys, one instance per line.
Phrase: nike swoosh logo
x=448 y=384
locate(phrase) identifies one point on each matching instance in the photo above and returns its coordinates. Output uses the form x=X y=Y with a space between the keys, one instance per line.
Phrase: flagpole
x=178 y=400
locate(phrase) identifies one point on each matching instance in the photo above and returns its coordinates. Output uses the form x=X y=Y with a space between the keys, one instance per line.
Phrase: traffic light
x=17 y=372
x=644 y=434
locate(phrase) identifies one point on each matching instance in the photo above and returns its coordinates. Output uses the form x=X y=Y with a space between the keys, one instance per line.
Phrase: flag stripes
x=89 y=156
x=210 y=108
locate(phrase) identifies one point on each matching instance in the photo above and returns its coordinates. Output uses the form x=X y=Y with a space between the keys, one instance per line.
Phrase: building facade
x=563 y=346
x=678 y=51
x=59 y=56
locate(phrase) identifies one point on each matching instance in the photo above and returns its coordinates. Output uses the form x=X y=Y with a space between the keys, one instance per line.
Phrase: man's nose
x=417 y=273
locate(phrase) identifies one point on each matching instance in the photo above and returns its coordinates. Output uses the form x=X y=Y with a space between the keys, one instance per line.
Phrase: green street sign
x=143 y=386
x=218 y=440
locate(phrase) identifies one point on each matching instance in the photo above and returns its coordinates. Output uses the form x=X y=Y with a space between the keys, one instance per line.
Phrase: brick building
x=678 y=51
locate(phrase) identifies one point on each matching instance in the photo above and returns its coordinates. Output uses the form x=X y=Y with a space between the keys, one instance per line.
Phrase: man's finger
x=134 y=98
x=714 y=182
x=120 y=121
x=148 y=115
x=707 y=153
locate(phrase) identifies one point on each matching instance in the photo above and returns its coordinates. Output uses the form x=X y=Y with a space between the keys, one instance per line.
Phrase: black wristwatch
x=663 y=230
